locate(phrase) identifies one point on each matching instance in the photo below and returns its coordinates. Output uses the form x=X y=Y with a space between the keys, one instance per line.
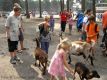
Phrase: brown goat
x=41 y=56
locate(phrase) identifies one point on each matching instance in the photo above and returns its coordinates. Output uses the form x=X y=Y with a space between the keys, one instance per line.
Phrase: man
x=63 y=17
x=85 y=22
x=79 y=17
x=12 y=30
x=104 y=24
x=21 y=37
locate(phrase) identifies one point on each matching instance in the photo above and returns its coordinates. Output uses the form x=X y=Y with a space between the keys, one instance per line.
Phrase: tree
x=40 y=9
x=94 y=9
x=67 y=5
x=15 y=1
x=83 y=5
x=46 y=5
x=55 y=5
x=27 y=10
x=7 y=5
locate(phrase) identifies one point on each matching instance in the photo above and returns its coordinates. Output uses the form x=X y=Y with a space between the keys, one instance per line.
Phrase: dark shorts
x=12 y=45
x=21 y=37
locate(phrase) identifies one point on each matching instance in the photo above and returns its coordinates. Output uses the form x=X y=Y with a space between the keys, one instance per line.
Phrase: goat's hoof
x=43 y=73
x=35 y=64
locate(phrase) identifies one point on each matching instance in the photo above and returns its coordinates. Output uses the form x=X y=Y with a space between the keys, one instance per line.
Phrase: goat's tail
x=37 y=43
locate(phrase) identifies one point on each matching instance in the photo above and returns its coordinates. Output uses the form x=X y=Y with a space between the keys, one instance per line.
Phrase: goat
x=82 y=48
x=84 y=72
x=41 y=56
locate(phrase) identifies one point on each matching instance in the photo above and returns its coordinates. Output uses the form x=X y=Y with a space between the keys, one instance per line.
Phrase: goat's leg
x=91 y=60
x=74 y=74
x=39 y=64
x=82 y=78
x=69 y=57
x=35 y=61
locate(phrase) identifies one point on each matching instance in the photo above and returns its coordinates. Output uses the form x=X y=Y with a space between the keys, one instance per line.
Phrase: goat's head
x=37 y=42
x=93 y=74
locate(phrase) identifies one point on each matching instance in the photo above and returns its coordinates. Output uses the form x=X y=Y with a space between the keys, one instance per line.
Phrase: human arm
x=7 y=26
x=66 y=64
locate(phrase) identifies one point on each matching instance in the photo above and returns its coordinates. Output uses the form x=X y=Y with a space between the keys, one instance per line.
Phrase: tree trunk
x=83 y=5
x=67 y=5
x=27 y=11
x=94 y=9
x=62 y=4
x=40 y=9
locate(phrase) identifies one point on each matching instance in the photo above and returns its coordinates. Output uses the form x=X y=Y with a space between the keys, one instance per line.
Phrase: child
x=92 y=31
x=70 y=22
x=58 y=61
x=52 y=21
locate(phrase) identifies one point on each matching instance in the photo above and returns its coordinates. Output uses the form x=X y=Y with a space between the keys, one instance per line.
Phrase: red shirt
x=63 y=17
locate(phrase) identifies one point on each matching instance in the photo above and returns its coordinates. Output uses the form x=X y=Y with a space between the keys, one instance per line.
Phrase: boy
x=92 y=31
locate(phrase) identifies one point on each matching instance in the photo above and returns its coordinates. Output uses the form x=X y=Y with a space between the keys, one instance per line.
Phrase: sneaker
x=17 y=58
x=12 y=61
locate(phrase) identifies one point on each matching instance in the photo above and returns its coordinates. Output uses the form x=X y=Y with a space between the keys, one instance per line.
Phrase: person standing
x=85 y=23
x=104 y=24
x=21 y=29
x=79 y=17
x=12 y=32
x=59 y=62
x=70 y=23
x=92 y=31
x=45 y=35
x=52 y=23
x=63 y=17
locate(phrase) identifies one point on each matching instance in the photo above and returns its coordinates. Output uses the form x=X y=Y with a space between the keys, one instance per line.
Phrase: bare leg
x=52 y=78
x=62 y=78
x=21 y=45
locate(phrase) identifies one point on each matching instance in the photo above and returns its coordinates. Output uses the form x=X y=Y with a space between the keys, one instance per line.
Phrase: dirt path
x=26 y=70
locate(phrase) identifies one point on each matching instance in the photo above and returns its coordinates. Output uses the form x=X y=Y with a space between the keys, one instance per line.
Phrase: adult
x=85 y=23
x=79 y=17
x=12 y=30
x=63 y=17
x=104 y=24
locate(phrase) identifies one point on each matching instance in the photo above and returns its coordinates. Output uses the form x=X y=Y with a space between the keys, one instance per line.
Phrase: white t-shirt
x=13 y=24
x=85 y=20
x=20 y=17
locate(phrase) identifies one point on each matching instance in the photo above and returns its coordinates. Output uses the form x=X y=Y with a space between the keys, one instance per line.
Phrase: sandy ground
x=26 y=70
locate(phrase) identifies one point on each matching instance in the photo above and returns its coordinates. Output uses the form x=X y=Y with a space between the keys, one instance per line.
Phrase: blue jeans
x=45 y=46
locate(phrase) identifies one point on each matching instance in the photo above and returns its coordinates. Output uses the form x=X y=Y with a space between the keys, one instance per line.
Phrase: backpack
x=95 y=29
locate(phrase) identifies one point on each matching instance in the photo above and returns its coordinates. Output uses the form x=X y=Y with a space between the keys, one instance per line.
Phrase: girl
x=52 y=22
x=45 y=35
x=70 y=23
x=58 y=61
